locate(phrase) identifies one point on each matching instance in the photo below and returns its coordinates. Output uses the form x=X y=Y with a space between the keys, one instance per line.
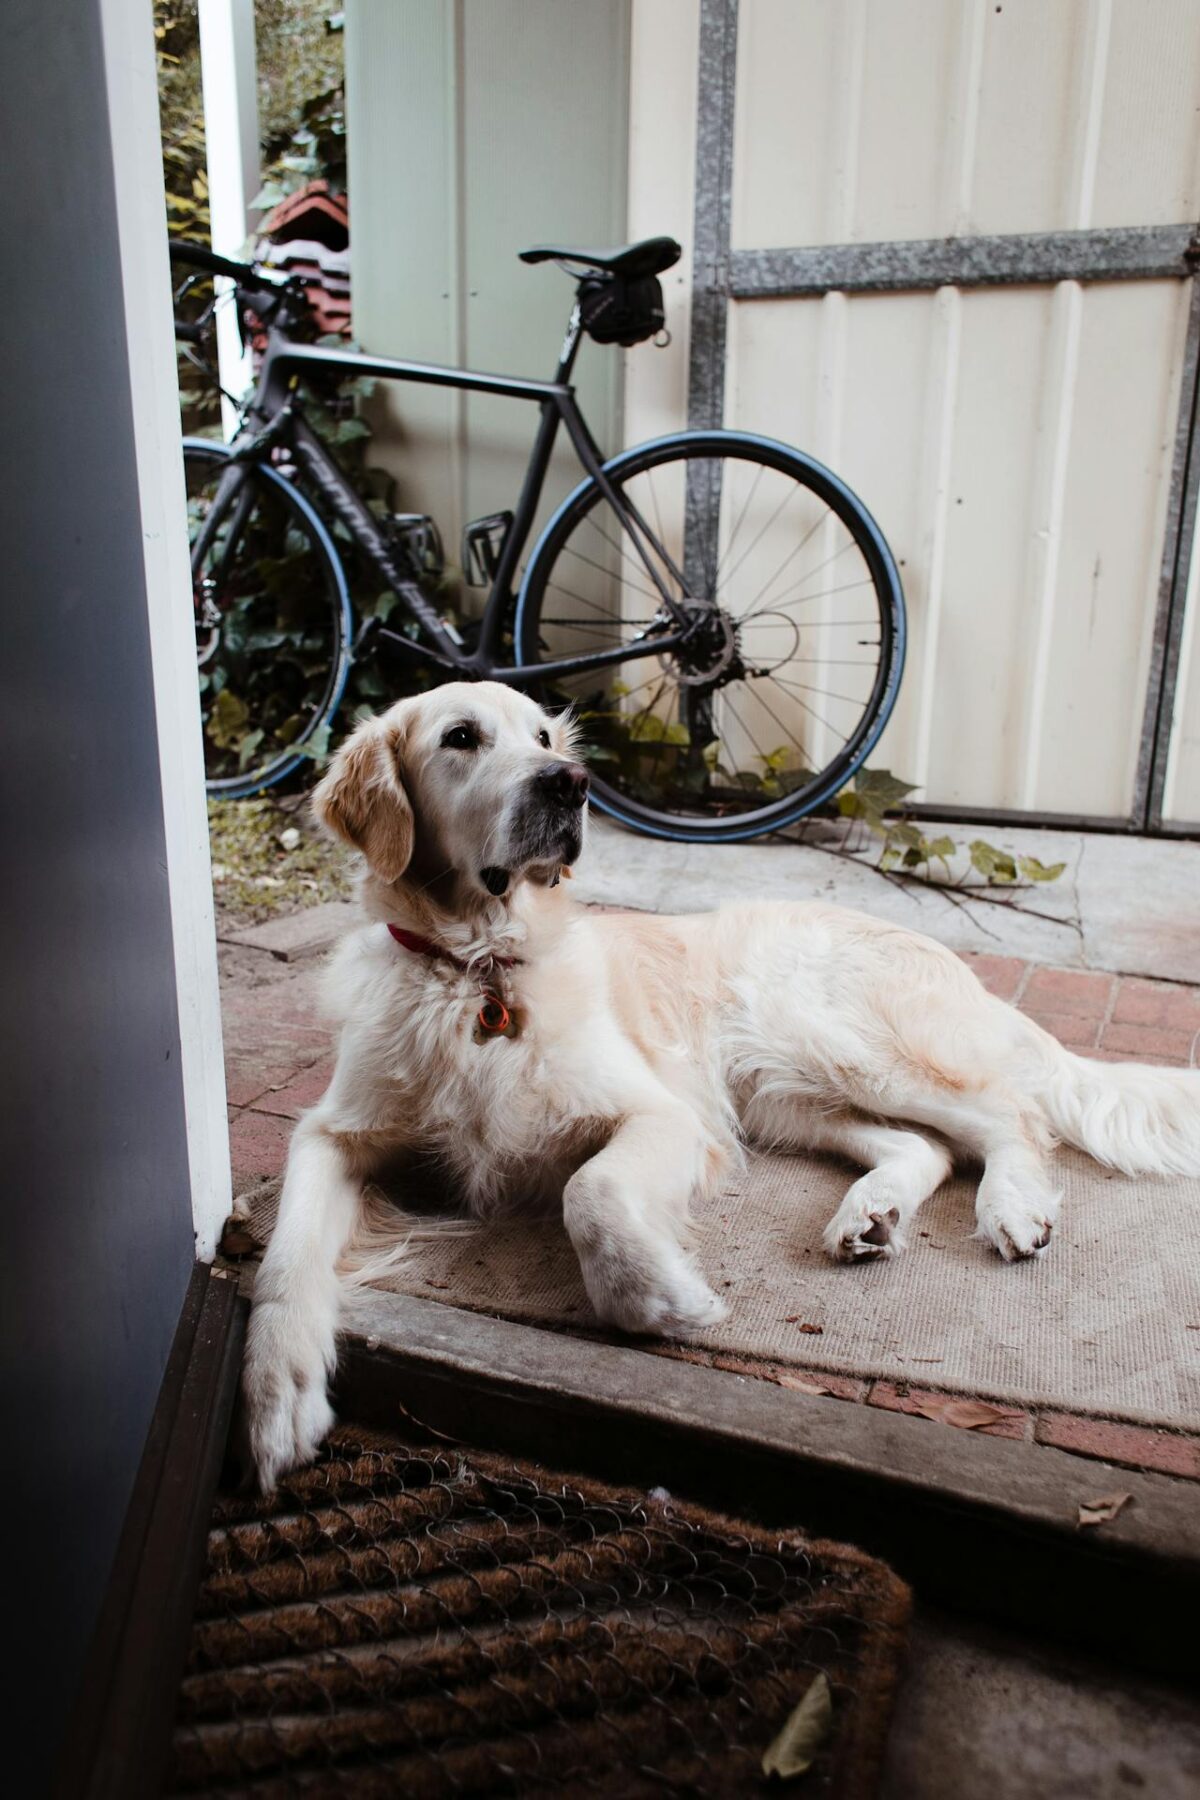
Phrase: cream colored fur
x=649 y=1051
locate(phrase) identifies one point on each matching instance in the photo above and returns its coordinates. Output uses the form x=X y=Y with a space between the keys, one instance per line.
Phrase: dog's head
x=466 y=790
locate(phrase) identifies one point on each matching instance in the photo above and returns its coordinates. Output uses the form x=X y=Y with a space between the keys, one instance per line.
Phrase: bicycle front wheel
x=273 y=624
x=794 y=643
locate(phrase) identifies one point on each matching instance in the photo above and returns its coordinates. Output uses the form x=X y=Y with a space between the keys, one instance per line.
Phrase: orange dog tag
x=494 y=1020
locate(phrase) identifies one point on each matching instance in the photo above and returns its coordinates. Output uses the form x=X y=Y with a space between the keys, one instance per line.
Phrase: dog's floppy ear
x=362 y=799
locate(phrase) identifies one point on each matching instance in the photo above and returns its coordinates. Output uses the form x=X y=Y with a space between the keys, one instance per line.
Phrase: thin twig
x=956 y=894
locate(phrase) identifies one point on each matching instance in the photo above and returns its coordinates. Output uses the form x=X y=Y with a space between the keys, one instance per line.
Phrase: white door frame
x=132 y=81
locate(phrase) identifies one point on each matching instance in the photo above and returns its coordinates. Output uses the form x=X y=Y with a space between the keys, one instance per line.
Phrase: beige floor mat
x=1108 y=1322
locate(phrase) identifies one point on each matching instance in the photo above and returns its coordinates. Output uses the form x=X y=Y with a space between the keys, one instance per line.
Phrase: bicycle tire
x=844 y=505
x=303 y=517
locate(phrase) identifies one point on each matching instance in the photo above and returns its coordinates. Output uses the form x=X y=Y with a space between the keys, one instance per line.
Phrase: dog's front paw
x=1016 y=1226
x=284 y=1381
x=660 y=1298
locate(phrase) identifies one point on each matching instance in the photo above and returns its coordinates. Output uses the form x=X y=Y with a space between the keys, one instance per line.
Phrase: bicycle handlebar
x=196 y=256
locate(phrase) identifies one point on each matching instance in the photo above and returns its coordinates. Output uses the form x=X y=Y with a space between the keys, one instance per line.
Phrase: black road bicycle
x=720 y=610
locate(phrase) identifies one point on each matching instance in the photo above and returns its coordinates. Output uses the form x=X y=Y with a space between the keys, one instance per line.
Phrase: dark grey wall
x=96 y=1243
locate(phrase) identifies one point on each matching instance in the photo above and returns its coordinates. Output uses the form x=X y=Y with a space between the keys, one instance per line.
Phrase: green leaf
x=269 y=196
x=648 y=728
x=247 y=747
x=882 y=790
x=777 y=761
x=791 y=779
x=317 y=747
x=1033 y=870
x=291 y=728
x=348 y=431
x=227 y=721
x=943 y=848
x=796 y=1748
x=994 y=865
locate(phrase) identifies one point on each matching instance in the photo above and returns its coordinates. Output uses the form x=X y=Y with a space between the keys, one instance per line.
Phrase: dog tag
x=494 y=1019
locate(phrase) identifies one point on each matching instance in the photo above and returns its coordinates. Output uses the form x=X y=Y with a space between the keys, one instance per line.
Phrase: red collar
x=422 y=946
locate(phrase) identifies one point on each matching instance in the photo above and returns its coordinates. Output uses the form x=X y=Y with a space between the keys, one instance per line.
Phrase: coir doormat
x=425 y=1620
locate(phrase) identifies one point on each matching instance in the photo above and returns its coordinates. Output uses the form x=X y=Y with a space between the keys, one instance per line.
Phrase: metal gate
x=947 y=246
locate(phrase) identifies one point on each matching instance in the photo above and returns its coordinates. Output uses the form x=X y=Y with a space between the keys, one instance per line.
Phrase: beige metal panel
x=476 y=127
x=1014 y=447
x=1041 y=94
x=865 y=120
x=1148 y=156
x=850 y=387
x=664 y=42
x=1113 y=416
x=853 y=119
x=1181 y=794
x=791 y=167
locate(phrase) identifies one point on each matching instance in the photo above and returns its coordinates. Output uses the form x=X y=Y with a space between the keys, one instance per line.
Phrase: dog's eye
x=544 y=738
x=461 y=737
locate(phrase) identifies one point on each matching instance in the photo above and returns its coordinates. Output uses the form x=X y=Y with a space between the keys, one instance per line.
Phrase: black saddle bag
x=615 y=310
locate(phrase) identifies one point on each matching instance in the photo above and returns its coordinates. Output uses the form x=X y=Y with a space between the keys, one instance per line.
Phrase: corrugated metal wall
x=477 y=127
x=1015 y=444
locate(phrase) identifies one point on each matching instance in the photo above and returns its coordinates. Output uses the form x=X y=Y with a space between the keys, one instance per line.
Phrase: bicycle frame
x=273 y=418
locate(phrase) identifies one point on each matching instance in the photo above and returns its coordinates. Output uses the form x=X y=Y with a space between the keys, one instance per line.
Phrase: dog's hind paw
x=854 y=1234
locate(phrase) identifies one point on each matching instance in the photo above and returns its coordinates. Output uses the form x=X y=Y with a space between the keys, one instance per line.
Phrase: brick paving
x=278 y=1063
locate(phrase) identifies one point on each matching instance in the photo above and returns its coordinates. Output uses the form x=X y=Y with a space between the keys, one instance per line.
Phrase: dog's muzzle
x=549 y=829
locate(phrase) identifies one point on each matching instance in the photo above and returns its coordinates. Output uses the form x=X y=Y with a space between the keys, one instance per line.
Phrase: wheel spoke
x=802 y=687
x=653 y=778
x=638 y=567
x=808 y=709
x=772 y=604
x=733 y=536
x=807 y=600
x=570 y=550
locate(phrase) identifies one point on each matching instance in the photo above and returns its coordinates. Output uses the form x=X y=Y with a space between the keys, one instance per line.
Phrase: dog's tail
x=382 y=1239
x=1141 y=1120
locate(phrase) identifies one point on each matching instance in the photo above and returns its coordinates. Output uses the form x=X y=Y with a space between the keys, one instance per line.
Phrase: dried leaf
x=794 y=1319
x=968 y=1415
x=795 y=1750
x=238 y=1238
x=1102 y=1509
x=801 y=1387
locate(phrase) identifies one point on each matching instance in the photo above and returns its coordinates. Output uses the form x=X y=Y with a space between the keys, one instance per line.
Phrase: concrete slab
x=1128 y=905
x=985 y=1712
x=298 y=935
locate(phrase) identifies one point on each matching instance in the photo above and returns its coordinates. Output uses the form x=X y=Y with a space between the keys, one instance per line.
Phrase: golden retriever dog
x=615 y=1064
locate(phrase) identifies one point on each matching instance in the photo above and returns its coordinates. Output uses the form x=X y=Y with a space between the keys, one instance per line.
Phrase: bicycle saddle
x=650 y=257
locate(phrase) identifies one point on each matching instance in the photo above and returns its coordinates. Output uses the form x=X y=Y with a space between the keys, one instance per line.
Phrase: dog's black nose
x=564 y=782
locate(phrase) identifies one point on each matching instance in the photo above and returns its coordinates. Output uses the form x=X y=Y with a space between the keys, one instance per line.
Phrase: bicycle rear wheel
x=796 y=647
x=273 y=625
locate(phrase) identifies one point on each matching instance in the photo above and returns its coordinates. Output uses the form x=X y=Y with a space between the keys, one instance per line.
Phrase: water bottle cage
x=421 y=541
x=483 y=546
